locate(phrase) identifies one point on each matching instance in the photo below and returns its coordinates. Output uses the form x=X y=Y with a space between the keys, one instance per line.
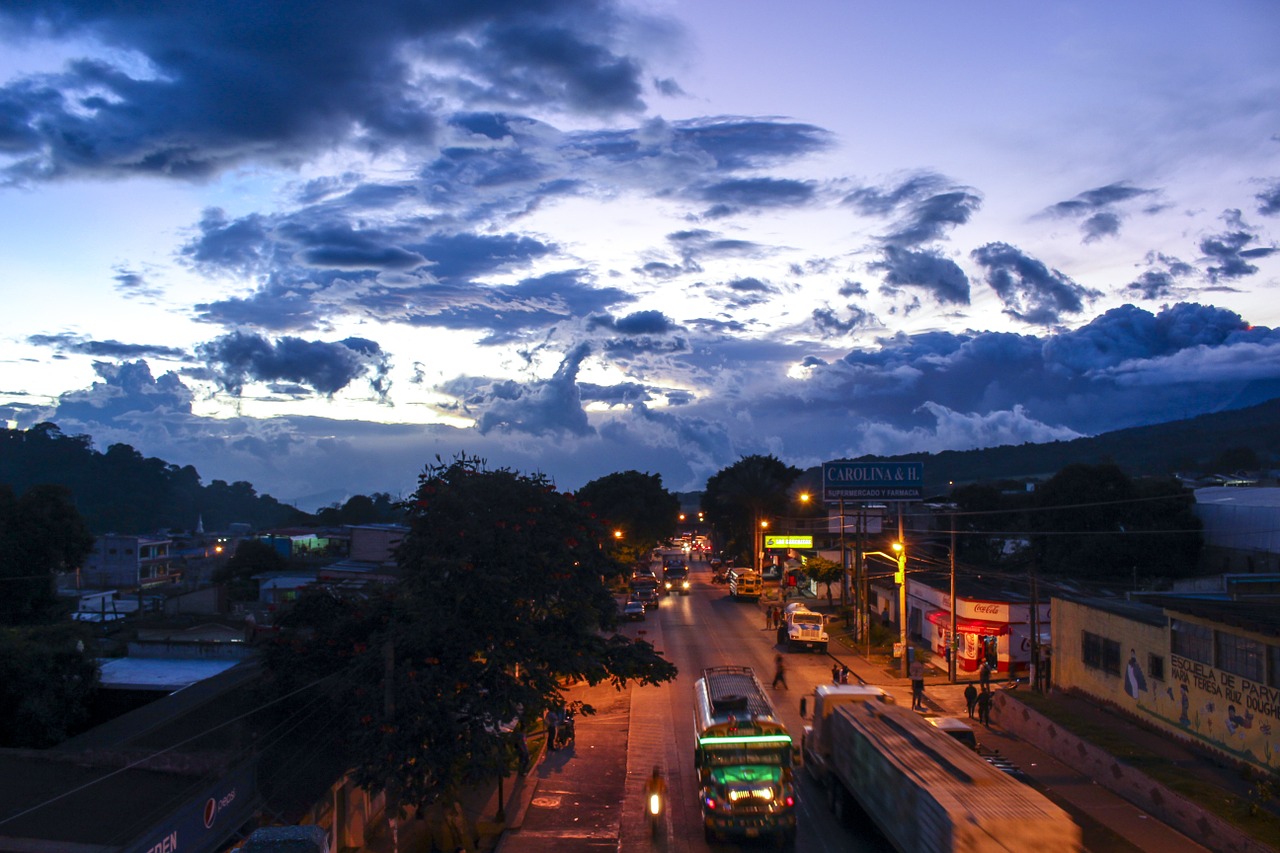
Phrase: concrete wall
x=1152 y=797
x=1192 y=701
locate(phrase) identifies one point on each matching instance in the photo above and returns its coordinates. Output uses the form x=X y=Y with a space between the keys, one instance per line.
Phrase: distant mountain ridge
x=1189 y=445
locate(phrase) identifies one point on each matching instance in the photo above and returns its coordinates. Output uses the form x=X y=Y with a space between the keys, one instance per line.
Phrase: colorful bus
x=744 y=758
x=745 y=583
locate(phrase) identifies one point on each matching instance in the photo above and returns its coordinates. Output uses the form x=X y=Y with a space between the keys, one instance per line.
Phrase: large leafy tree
x=1095 y=521
x=737 y=498
x=502 y=598
x=636 y=506
x=252 y=557
x=41 y=534
x=48 y=675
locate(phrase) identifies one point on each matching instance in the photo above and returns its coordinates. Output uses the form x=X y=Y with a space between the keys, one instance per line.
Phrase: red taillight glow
x=790 y=801
x=711 y=803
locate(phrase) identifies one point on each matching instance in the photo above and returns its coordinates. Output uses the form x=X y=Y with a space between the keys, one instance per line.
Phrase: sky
x=315 y=246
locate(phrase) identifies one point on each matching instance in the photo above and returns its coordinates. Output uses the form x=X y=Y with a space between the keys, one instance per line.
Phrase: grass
x=1250 y=812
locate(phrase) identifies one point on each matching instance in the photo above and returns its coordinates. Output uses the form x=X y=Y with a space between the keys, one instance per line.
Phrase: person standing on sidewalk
x=984 y=708
x=916 y=671
x=970 y=698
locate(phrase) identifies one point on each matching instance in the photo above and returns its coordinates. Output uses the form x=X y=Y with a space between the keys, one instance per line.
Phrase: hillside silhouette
x=122 y=491
x=1192 y=445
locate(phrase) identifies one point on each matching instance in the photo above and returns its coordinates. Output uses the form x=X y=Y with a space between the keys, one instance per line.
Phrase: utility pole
x=952 y=649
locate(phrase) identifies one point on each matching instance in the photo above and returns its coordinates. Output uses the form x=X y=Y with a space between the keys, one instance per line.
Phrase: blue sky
x=312 y=246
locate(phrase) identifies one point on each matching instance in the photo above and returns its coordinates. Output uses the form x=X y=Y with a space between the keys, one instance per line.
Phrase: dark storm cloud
x=692 y=148
x=325 y=367
x=831 y=324
x=1228 y=257
x=733 y=196
x=1099 y=225
x=925 y=206
x=68 y=343
x=1161 y=280
x=1269 y=199
x=1030 y=291
x=236 y=245
x=930 y=218
x=127 y=392
x=545 y=407
x=927 y=270
x=1096 y=208
x=636 y=323
x=1131 y=333
x=210 y=85
x=508 y=311
x=622 y=394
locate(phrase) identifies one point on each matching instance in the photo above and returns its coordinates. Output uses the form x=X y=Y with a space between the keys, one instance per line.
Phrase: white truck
x=802 y=628
x=924 y=790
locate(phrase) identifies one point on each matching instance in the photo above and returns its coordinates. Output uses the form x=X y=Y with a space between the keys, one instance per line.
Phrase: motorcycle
x=656 y=804
x=564 y=732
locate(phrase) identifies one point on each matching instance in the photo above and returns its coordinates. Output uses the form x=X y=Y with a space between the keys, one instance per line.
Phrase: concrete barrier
x=1147 y=794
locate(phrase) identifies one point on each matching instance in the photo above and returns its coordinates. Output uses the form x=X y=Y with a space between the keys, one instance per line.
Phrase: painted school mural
x=1137 y=672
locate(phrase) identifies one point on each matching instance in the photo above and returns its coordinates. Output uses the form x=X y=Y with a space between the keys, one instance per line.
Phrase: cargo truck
x=802 y=628
x=926 y=792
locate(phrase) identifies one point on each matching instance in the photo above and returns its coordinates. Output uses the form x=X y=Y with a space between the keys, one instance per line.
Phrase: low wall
x=1150 y=796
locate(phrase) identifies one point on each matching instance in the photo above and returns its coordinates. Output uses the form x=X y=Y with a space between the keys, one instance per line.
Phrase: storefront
x=998 y=632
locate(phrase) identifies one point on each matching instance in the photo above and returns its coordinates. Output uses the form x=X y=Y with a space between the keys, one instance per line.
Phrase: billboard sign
x=788 y=541
x=872 y=481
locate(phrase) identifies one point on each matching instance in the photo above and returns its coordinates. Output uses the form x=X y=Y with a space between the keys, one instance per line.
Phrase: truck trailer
x=925 y=791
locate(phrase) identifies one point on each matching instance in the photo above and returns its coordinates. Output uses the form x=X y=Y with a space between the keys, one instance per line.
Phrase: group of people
x=772 y=616
x=839 y=674
x=980 y=699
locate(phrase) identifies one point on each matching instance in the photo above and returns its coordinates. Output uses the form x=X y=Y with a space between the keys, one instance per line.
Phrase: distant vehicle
x=633 y=610
x=745 y=583
x=675 y=577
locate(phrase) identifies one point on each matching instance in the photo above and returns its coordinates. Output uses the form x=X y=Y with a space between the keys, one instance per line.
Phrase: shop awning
x=942 y=618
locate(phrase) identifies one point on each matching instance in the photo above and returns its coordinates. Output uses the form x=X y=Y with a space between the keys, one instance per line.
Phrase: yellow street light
x=899 y=556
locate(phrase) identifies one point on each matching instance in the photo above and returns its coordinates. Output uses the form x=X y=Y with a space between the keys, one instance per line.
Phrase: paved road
x=588 y=798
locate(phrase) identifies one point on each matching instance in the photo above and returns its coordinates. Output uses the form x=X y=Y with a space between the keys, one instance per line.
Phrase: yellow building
x=1205 y=670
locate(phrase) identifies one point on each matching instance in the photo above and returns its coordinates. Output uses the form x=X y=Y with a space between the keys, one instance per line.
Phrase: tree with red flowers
x=502 y=599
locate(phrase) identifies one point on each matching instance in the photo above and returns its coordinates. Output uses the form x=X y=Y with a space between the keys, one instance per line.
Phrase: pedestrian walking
x=768 y=618
x=780 y=672
x=970 y=698
x=916 y=672
x=835 y=673
x=984 y=676
x=984 y=708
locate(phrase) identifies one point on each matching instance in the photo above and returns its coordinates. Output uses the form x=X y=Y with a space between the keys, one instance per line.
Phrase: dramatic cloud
x=183 y=91
x=942 y=277
x=66 y=343
x=1161 y=280
x=1098 y=209
x=1229 y=258
x=325 y=367
x=925 y=206
x=1030 y=291
x=550 y=407
x=1269 y=199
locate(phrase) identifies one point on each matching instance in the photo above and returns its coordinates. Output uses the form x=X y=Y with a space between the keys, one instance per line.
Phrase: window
x=1240 y=655
x=1273 y=666
x=1155 y=667
x=1100 y=653
x=1191 y=641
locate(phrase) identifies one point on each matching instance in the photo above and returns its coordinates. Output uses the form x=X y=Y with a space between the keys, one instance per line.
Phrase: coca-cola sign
x=989 y=610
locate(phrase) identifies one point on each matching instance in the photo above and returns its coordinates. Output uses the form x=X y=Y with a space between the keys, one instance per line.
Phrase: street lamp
x=899 y=556
x=759 y=544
